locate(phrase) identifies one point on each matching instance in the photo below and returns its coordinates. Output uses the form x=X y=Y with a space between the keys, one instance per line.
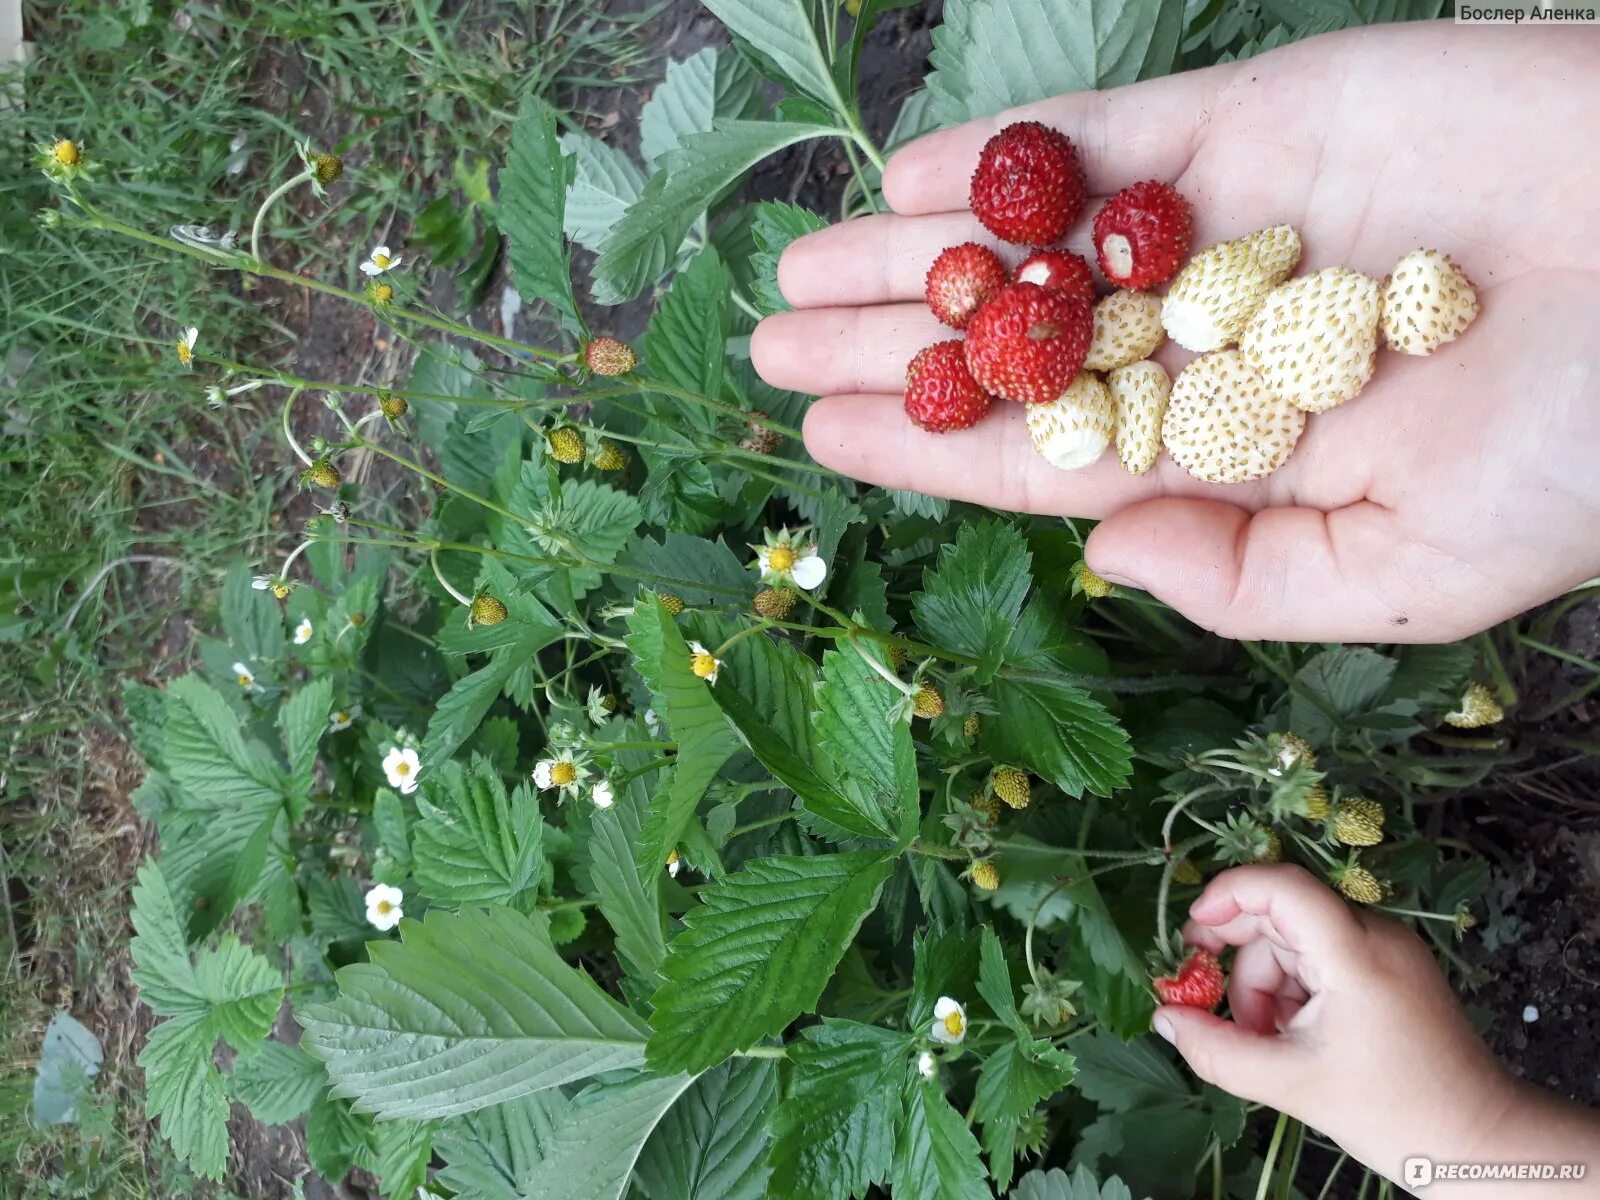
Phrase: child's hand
x=1342 y=1019
x=1457 y=490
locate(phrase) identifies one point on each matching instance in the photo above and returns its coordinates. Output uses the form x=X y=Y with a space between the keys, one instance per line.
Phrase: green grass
x=123 y=494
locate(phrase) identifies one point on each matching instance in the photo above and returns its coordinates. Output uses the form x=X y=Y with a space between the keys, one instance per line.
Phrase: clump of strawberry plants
x=660 y=811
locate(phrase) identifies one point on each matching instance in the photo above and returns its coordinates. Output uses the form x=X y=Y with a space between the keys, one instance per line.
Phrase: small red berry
x=1198 y=982
x=1142 y=235
x=1060 y=270
x=962 y=280
x=1028 y=342
x=941 y=394
x=1029 y=185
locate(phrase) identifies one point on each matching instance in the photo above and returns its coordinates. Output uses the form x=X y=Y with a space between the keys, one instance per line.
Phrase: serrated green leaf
x=1017 y=1077
x=692 y=717
x=869 y=755
x=1122 y=1076
x=458 y=711
x=994 y=983
x=240 y=989
x=250 y=618
x=629 y=905
x=757 y=953
x=640 y=248
x=531 y=210
x=686 y=343
x=834 y=1133
x=787 y=37
x=696 y=92
x=490 y=1152
x=303 y=720
x=1431 y=674
x=184 y=1092
x=209 y=757
x=1060 y=732
x=277 y=1082
x=700 y=571
x=972 y=600
x=475 y=843
x=936 y=1157
x=774 y=226
x=618 y=1117
x=469 y=1009
x=713 y=1143
x=1058 y=1185
x=401 y=1152
x=944 y=963
x=162 y=968
x=605 y=181
x=1336 y=685
x=336 y=1137
x=991 y=55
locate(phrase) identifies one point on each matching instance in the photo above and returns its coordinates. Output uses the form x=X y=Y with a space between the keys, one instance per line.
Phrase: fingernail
x=1163 y=1027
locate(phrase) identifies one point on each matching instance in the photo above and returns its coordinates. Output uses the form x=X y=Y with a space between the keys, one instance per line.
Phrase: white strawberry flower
x=949 y=1022
x=302 y=631
x=380 y=261
x=244 y=676
x=927 y=1065
x=703 y=663
x=787 y=558
x=185 y=345
x=651 y=721
x=341 y=719
x=563 y=772
x=602 y=795
x=400 y=765
x=383 y=906
x=674 y=864
x=276 y=584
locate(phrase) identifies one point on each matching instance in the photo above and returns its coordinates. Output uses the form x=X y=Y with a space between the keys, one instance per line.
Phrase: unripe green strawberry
x=927 y=703
x=987 y=805
x=329 y=167
x=897 y=657
x=673 y=604
x=322 y=473
x=1358 y=822
x=1272 y=851
x=1011 y=785
x=610 y=456
x=393 y=407
x=970 y=727
x=1478 y=708
x=1090 y=584
x=1314 y=806
x=566 y=445
x=1187 y=873
x=608 y=356
x=1290 y=750
x=986 y=875
x=775 y=603
x=486 y=610
x=1360 y=885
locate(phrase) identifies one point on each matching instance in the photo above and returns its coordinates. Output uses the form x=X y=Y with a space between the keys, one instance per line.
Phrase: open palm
x=1455 y=491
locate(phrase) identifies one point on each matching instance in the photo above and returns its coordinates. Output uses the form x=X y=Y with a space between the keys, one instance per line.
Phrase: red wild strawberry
x=1061 y=271
x=1029 y=185
x=941 y=394
x=1142 y=235
x=1028 y=342
x=962 y=280
x=1197 y=983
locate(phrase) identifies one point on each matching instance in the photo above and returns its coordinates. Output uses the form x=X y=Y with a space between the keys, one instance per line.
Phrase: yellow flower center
x=563 y=774
x=245 y=681
x=66 y=153
x=185 y=353
x=381 y=260
x=383 y=293
x=341 y=718
x=703 y=665
x=672 y=857
x=954 y=1023
x=781 y=559
x=384 y=908
x=280 y=590
x=402 y=768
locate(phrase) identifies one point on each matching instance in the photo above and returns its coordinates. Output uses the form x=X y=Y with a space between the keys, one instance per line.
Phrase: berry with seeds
x=1221 y=288
x=1127 y=328
x=1060 y=271
x=970 y=726
x=486 y=610
x=1139 y=393
x=1028 y=343
x=1478 y=708
x=759 y=439
x=941 y=394
x=322 y=473
x=608 y=356
x=1222 y=425
x=962 y=280
x=775 y=603
x=610 y=456
x=1142 y=235
x=1090 y=584
x=673 y=604
x=1197 y=983
x=393 y=407
x=1358 y=822
x=1073 y=431
x=1427 y=301
x=927 y=703
x=1360 y=885
x=1314 y=341
x=1028 y=187
x=986 y=875
x=566 y=445
x=1011 y=785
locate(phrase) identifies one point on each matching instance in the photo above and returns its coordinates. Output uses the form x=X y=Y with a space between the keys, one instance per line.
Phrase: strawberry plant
x=657 y=811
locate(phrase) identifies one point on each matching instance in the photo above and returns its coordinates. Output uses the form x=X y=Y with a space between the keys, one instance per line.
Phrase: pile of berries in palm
x=1270 y=349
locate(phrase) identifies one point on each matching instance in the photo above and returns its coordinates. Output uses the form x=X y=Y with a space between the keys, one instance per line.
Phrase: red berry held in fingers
x=1059 y=270
x=941 y=394
x=1028 y=342
x=1198 y=982
x=1029 y=186
x=1142 y=235
x=962 y=280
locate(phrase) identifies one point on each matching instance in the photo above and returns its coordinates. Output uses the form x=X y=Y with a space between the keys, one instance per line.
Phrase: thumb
x=1252 y=1066
x=1292 y=574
